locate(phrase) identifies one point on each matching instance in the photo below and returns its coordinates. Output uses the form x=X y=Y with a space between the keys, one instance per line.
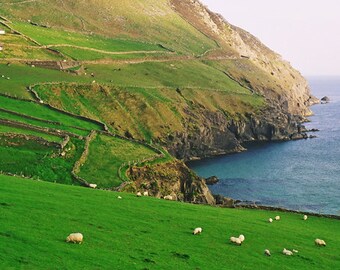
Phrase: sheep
x=236 y=240
x=92 y=185
x=242 y=238
x=119 y=197
x=267 y=252
x=295 y=251
x=270 y=220
x=197 y=231
x=305 y=217
x=320 y=242
x=139 y=194
x=277 y=218
x=287 y=252
x=145 y=193
x=75 y=238
x=168 y=197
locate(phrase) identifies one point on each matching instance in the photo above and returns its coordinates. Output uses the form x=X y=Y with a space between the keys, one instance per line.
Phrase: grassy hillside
x=148 y=233
x=147 y=70
x=152 y=21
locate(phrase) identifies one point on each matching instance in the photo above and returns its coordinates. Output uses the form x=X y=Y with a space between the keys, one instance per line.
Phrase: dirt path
x=103 y=51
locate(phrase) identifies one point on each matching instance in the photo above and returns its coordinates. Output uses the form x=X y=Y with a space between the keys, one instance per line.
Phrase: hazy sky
x=304 y=32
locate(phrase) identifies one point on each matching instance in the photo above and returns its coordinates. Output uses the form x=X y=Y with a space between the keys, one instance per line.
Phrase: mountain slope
x=169 y=73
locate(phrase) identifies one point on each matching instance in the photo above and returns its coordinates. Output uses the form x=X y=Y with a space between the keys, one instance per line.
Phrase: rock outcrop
x=172 y=178
x=215 y=134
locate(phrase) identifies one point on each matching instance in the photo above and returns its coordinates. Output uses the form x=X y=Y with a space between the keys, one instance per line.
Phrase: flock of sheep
x=239 y=240
x=77 y=238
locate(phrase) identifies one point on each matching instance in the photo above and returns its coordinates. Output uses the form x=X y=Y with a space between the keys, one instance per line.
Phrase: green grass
x=84 y=54
x=185 y=74
x=154 y=111
x=106 y=155
x=32 y=159
x=42 y=124
x=22 y=76
x=148 y=233
x=43 y=112
x=153 y=22
x=49 y=36
x=46 y=136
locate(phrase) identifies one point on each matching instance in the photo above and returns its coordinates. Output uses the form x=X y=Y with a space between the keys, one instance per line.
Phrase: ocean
x=299 y=175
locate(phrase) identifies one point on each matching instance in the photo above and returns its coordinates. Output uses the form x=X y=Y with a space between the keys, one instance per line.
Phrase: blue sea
x=299 y=175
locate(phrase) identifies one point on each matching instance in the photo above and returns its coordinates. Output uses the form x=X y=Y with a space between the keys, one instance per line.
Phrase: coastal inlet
x=299 y=175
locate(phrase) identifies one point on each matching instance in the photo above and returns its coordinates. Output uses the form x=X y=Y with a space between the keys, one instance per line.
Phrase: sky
x=305 y=32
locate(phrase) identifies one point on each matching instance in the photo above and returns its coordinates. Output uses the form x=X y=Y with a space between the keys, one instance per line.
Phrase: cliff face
x=255 y=66
x=286 y=85
x=215 y=134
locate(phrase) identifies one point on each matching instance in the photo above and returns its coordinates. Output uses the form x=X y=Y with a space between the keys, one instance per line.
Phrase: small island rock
x=212 y=180
x=325 y=99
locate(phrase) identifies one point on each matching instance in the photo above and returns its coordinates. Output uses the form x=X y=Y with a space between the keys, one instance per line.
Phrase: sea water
x=299 y=175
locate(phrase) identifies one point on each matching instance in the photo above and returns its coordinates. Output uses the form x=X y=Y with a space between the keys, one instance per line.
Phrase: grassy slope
x=32 y=159
x=107 y=154
x=48 y=137
x=151 y=21
x=147 y=233
x=142 y=98
x=22 y=76
x=48 y=36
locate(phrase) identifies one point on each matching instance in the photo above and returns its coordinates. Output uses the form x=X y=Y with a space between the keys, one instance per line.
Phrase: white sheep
x=270 y=220
x=277 y=218
x=305 y=217
x=287 y=252
x=320 y=242
x=75 y=238
x=145 y=193
x=139 y=194
x=236 y=240
x=197 y=231
x=242 y=238
x=92 y=185
x=119 y=197
x=267 y=252
x=295 y=251
x=168 y=197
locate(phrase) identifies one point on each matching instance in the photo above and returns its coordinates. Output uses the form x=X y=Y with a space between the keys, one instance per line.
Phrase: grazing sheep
x=75 y=238
x=305 y=217
x=236 y=240
x=320 y=242
x=270 y=220
x=295 y=251
x=139 y=194
x=267 y=252
x=242 y=238
x=145 y=193
x=168 y=197
x=119 y=197
x=277 y=218
x=197 y=231
x=287 y=252
x=92 y=185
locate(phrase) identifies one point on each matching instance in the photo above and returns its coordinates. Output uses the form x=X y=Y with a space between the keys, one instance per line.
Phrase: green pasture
x=148 y=233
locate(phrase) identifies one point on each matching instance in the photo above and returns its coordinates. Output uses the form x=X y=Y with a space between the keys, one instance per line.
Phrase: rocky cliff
x=173 y=179
x=255 y=66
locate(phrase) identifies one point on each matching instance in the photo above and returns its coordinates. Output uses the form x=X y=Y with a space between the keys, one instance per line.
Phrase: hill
x=140 y=83
x=148 y=233
x=113 y=94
